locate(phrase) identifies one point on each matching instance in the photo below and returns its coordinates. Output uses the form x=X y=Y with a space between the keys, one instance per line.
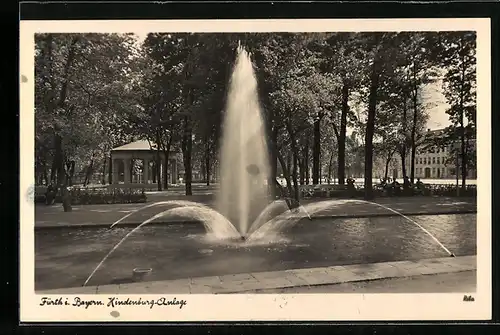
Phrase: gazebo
x=134 y=165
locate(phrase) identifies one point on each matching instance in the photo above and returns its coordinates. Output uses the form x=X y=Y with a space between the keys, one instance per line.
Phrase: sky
x=437 y=113
x=432 y=93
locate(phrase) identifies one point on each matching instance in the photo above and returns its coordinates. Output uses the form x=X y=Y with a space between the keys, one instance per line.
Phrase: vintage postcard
x=243 y=170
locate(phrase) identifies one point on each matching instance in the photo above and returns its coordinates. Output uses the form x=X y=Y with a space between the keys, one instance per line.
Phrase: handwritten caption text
x=112 y=302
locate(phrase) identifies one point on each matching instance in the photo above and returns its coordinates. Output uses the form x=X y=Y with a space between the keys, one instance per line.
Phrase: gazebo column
x=145 y=171
x=126 y=172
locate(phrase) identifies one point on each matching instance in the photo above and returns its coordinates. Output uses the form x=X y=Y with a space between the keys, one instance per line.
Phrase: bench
x=320 y=190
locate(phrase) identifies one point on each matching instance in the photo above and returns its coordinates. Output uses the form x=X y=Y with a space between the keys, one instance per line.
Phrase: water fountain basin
x=138 y=274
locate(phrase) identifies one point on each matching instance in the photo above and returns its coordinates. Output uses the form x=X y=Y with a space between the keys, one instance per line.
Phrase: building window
x=438 y=160
x=433 y=172
x=425 y=160
x=433 y=160
x=420 y=160
x=438 y=150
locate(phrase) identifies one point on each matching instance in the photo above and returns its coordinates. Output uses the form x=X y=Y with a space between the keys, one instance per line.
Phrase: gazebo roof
x=141 y=145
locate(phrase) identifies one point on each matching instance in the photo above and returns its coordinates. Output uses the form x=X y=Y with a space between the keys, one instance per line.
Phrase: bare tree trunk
x=414 y=125
x=158 y=160
x=207 y=167
x=165 y=173
x=330 y=166
x=103 y=178
x=110 y=170
x=187 y=146
x=158 y=169
x=306 y=161
x=53 y=171
x=294 y=151
x=166 y=152
x=302 y=172
x=316 y=150
x=463 y=153
x=370 y=127
x=402 y=154
x=296 y=194
x=387 y=162
x=342 y=135
x=44 y=174
x=62 y=180
x=402 y=151
x=462 y=133
x=70 y=171
x=287 y=175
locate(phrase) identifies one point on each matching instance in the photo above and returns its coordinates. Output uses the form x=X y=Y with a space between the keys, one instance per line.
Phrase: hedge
x=336 y=191
x=91 y=196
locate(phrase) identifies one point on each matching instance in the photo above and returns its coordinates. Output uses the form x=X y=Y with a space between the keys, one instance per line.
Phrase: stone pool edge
x=313 y=217
x=253 y=282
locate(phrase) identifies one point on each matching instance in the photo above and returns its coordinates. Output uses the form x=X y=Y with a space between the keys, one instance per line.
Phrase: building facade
x=432 y=162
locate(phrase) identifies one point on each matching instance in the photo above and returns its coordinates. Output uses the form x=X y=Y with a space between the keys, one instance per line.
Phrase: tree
x=328 y=148
x=388 y=135
x=419 y=68
x=459 y=86
x=375 y=73
x=78 y=77
x=183 y=61
x=340 y=56
x=282 y=64
x=382 y=55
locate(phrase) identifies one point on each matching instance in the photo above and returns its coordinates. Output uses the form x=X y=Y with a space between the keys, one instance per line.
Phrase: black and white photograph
x=171 y=166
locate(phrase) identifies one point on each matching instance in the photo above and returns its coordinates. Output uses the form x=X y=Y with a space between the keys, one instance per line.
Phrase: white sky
x=437 y=115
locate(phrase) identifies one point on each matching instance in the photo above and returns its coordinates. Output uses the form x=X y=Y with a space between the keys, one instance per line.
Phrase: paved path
x=105 y=215
x=436 y=283
x=278 y=280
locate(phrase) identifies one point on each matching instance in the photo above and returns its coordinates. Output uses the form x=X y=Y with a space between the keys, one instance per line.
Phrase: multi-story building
x=432 y=162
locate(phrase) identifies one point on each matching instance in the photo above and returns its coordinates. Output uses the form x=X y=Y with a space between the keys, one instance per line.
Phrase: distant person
x=395 y=187
x=351 y=189
x=419 y=183
x=50 y=195
x=406 y=182
x=420 y=186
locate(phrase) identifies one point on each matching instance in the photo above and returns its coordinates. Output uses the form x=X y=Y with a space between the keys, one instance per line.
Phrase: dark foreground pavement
x=105 y=215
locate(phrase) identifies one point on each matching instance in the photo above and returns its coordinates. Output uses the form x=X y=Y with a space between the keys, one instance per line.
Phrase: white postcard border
x=274 y=307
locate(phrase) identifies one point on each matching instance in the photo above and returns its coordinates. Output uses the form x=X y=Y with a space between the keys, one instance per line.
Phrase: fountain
x=245 y=171
x=244 y=153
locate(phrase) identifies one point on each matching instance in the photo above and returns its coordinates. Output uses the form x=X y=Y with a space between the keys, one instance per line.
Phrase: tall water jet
x=244 y=167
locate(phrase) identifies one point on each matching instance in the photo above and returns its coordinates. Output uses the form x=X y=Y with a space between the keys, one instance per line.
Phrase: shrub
x=97 y=196
x=337 y=191
x=450 y=190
